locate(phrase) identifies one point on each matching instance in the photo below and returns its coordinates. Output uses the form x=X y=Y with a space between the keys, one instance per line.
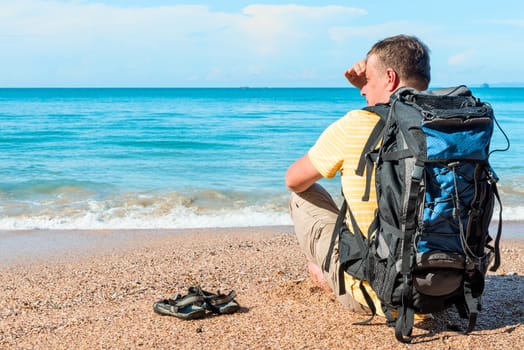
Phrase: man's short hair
x=407 y=55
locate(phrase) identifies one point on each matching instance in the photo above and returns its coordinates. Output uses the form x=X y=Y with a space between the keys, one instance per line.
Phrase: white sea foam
x=179 y=217
x=510 y=213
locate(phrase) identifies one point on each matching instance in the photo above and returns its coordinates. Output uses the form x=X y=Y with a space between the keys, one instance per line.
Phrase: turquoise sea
x=183 y=158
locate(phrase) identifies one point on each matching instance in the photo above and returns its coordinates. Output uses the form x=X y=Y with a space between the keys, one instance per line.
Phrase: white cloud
x=304 y=13
x=272 y=28
x=92 y=42
x=90 y=39
x=180 y=23
x=378 y=31
x=460 y=58
x=457 y=59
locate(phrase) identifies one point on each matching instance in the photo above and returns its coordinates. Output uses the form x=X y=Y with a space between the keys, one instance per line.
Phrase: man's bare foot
x=315 y=273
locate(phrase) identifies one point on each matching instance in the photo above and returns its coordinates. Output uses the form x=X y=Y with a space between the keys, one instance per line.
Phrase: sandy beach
x=95 y=290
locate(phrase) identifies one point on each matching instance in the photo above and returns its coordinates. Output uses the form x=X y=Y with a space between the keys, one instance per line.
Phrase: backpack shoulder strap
x=336 y=234
x=337 y=231
x=382 y=110
x=367 y=158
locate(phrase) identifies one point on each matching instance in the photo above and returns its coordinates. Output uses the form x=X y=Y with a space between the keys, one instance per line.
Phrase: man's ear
x=393 y=80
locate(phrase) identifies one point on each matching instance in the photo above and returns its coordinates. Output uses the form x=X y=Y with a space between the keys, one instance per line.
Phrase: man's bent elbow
x=292 y=185
x=299 y=184
x=295 y=188
x=301 y=175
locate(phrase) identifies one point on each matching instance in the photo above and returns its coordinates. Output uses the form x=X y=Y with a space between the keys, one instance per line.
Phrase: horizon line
x=483 y=85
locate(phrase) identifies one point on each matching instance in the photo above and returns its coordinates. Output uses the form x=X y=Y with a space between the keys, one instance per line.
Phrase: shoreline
x=30 y=246
x=17 y=246
x=101 y=296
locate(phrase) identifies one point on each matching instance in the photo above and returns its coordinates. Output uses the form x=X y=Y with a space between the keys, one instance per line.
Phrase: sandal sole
x=189 y=312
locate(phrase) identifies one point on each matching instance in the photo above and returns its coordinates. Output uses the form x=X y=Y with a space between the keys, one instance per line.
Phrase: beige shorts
x=314 y=215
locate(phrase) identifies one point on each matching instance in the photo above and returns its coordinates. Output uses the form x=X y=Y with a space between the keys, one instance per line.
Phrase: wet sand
x=95 y=290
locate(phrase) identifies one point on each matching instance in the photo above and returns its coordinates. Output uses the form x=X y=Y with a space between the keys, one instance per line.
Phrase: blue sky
x=248 y=43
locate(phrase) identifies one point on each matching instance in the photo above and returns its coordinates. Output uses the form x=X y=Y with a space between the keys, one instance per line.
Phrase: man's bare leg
x=315 y=273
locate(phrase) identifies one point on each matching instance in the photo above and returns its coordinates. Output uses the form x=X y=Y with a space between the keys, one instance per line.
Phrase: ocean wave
x=510 y=213
x=178 y=218
x=144 y=211
x=181 y=216
x=75 y=205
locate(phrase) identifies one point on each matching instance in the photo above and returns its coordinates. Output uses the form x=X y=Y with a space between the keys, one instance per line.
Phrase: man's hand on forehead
x=356 y=75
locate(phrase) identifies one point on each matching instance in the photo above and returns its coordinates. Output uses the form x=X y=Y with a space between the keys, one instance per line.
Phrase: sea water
x=184 y=158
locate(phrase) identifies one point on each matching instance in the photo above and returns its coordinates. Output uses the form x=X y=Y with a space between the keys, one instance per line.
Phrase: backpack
x=429 y=247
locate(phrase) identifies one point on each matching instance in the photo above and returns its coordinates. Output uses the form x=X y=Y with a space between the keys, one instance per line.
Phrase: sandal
x=217 y=303
x=189 y=307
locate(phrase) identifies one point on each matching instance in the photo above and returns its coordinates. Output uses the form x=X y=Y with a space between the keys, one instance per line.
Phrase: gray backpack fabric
x=429 y=247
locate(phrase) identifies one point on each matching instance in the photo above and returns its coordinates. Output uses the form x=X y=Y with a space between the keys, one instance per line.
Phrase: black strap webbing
x=397 y=155
x=338 y=229
x=472 y=305
x=371 y=144
x=335 y=235
x=496 y=263
x=404 y=325
x=371 y=159
x=370 y=303
x=406 y=314
x=368 y=156
x=462 y=309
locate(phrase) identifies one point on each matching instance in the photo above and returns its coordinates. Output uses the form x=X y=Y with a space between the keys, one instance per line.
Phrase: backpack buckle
x=418 y=171
x=492 y=179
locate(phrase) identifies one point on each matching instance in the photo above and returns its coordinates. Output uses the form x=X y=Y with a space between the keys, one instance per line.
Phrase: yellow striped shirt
x=339 y=149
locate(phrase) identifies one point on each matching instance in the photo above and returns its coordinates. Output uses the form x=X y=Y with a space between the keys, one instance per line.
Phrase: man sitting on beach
x=390 y=64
